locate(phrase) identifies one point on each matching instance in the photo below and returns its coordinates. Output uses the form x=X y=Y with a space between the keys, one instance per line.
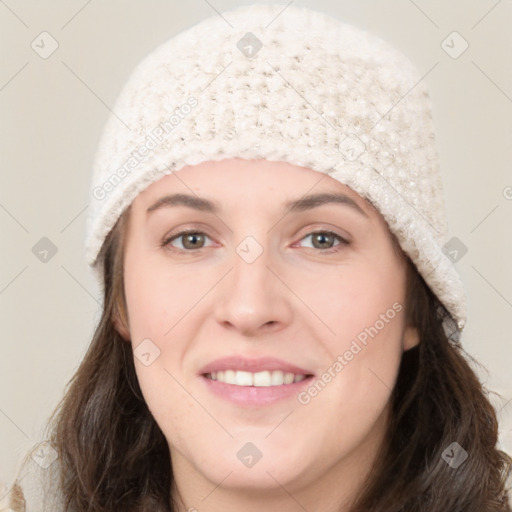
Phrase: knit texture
x=299 y=87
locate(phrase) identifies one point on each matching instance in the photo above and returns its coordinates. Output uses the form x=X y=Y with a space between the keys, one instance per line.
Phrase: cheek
x=158 y=296
x=348 y=299
x=171 y=405
x=363 y=306
x=157 y=302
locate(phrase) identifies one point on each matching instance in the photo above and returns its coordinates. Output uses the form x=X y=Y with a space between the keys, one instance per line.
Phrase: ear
x=121 y=325
x=411 y=337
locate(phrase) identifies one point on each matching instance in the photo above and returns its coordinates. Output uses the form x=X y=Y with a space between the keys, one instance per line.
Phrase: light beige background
x=52 y=113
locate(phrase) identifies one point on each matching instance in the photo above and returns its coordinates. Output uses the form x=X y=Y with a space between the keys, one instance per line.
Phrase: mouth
x=262 y=379
x=254 y=382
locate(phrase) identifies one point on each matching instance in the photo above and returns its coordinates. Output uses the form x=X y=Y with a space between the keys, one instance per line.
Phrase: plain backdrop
x=52 y=111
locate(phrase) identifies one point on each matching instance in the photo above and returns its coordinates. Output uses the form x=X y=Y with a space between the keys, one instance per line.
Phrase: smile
x=258 y=379
x=254 y=382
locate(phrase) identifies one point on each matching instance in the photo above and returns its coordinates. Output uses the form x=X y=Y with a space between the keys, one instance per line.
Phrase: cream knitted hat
x=284 y=84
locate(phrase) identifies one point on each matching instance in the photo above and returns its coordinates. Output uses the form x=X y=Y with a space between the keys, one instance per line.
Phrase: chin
x=260 y=478
x=259 y=465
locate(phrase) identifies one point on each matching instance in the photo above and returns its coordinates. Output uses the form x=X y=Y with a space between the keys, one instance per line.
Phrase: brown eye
x=193 y=240
x=190 y=240
x=325 y=239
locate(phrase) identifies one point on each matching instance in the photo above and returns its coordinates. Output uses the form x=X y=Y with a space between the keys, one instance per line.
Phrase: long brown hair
x=114 y=457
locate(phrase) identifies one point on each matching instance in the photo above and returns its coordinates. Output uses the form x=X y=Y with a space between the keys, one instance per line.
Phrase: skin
x=296 y=302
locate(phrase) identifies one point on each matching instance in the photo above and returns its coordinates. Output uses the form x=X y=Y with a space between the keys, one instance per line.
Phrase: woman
x=280 y=325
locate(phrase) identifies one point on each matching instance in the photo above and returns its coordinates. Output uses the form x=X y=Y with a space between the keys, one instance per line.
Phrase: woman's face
x=267 y=341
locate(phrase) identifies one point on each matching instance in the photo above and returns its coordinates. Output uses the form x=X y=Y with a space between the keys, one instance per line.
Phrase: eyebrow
x=297 y=205
x=316 y=200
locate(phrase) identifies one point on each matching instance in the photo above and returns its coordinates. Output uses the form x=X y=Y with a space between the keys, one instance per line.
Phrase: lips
x=237 y=363
x=254 y=382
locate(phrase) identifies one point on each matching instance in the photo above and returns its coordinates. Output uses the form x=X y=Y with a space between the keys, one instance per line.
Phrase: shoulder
x=11 y=498
x=35 y=488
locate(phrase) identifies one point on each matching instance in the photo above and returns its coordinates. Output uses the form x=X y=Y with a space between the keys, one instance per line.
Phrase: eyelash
x=166 y=242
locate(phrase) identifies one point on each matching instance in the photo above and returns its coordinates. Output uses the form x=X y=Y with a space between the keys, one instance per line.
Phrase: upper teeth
x=265 y=378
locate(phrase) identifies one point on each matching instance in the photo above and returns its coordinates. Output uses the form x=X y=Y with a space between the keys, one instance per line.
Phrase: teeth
x=261 y=379
x=229 y=377
x=243 y=378
x=288 y=378
x=258 y=379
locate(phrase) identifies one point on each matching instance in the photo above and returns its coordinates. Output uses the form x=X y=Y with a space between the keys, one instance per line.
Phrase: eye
x=325 y=240
x=190 y=240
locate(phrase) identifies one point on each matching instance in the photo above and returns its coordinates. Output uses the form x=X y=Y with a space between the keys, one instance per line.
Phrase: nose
x=253 y=300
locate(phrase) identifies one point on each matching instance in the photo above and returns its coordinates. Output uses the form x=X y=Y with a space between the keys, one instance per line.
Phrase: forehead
x=251 y=180
x=236 y=186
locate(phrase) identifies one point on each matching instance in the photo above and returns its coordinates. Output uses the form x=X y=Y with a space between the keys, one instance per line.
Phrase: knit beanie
x=290 y=84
